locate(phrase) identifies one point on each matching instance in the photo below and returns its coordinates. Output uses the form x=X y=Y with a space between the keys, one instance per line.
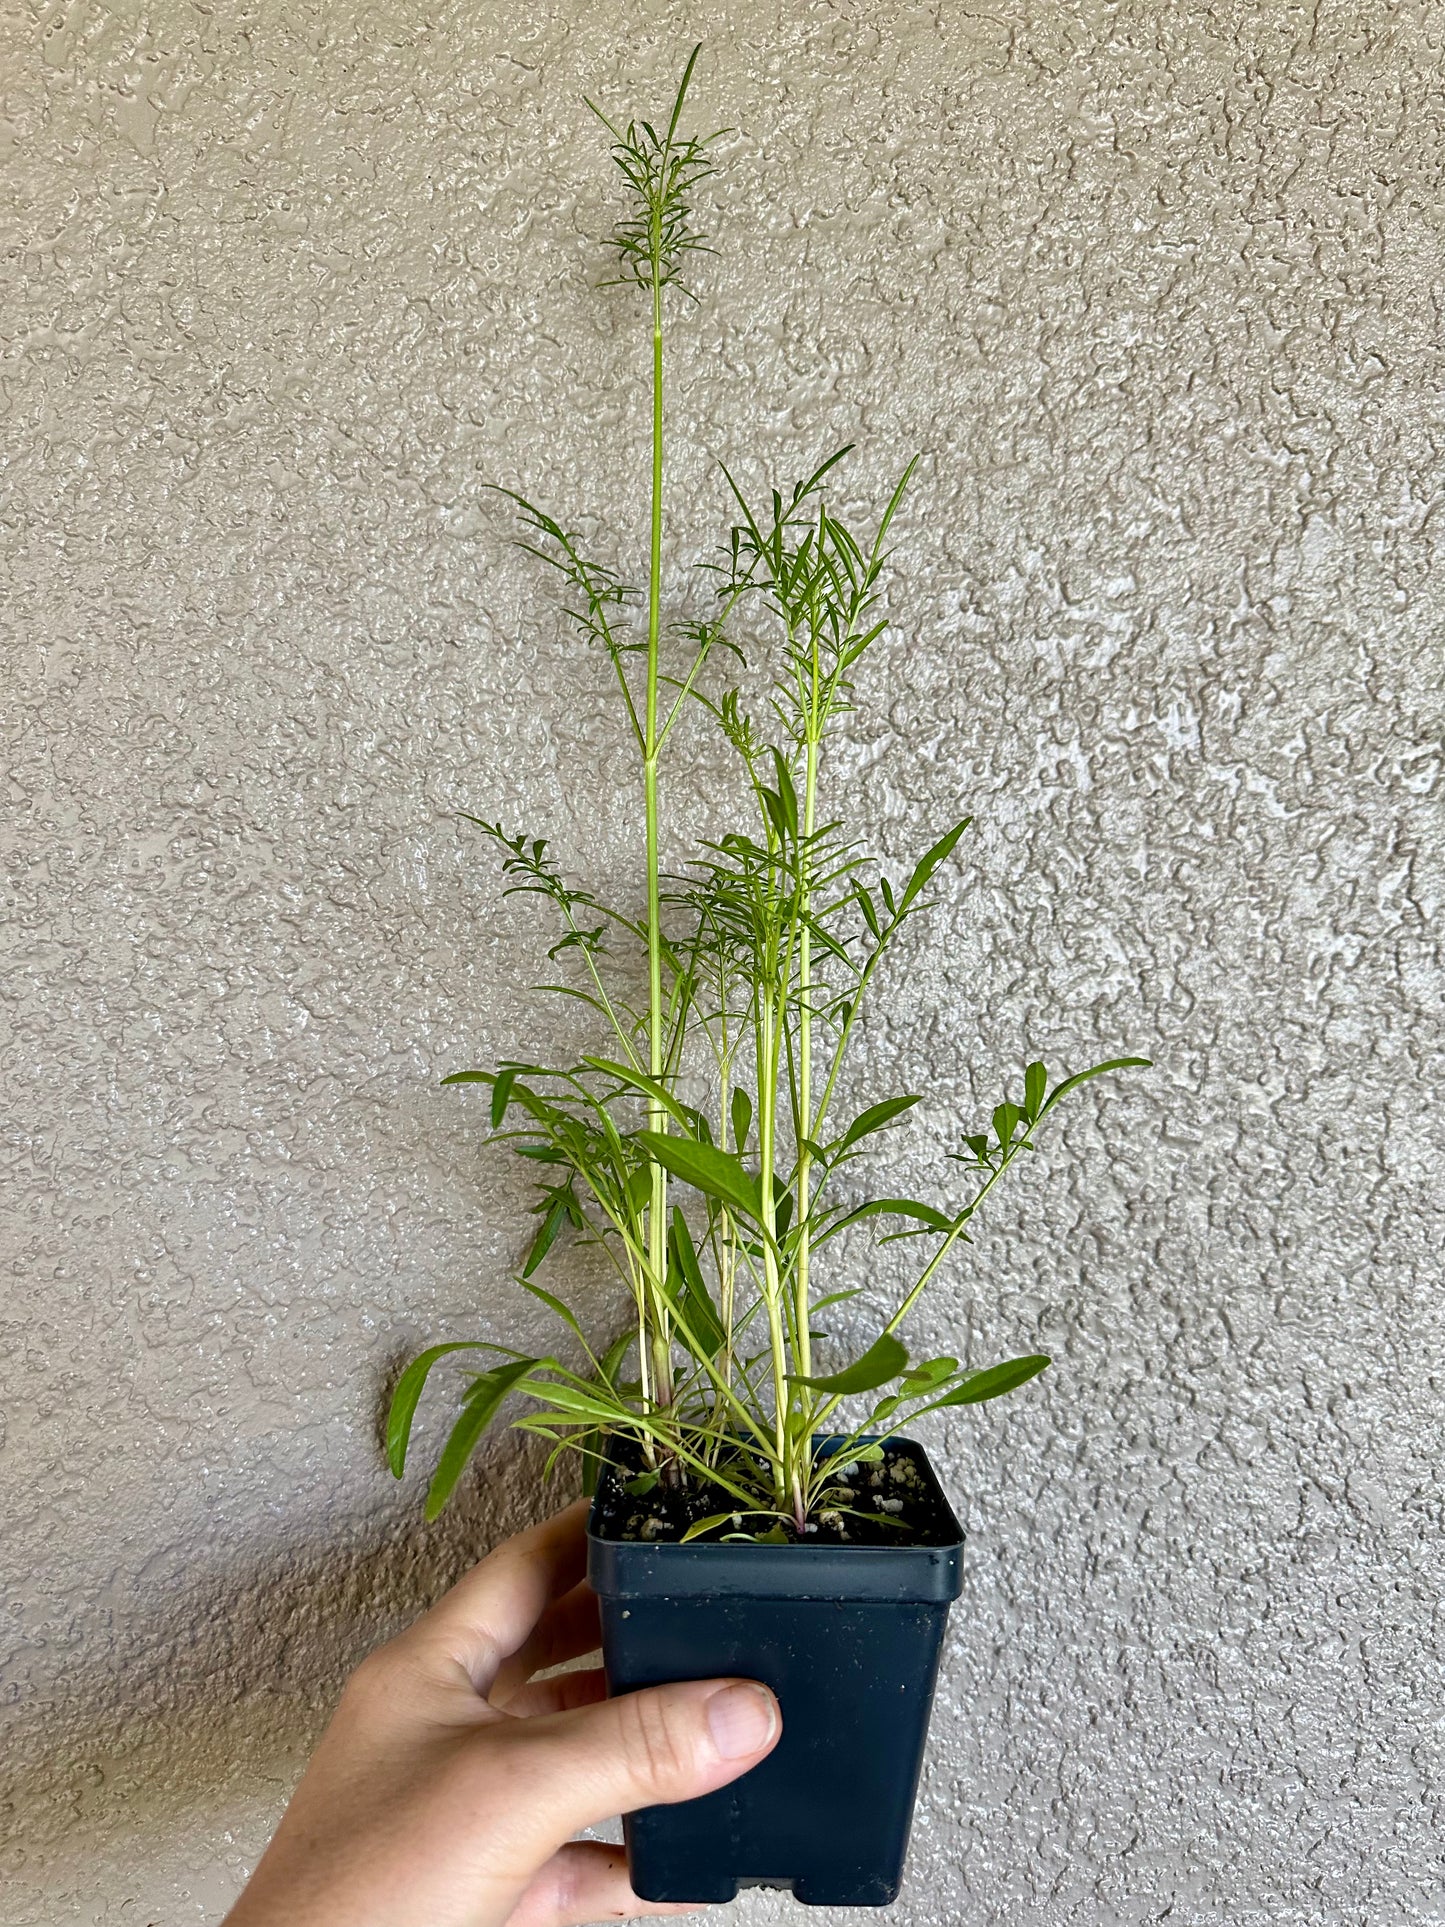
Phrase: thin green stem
x=656 y=1022
x=805 y=1031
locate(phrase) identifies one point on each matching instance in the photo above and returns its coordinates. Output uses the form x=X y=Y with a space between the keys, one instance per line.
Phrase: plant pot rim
x=650 y=1569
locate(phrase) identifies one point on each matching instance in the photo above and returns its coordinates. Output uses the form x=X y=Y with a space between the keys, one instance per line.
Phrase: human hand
x=448 y=1785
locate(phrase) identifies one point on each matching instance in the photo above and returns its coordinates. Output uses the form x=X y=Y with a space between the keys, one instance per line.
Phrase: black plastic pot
x=848 y=1637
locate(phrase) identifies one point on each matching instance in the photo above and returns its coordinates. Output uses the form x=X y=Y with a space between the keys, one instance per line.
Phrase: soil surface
x=895 y=1502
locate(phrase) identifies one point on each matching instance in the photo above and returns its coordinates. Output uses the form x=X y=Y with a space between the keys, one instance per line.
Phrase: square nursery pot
x=848 y=1637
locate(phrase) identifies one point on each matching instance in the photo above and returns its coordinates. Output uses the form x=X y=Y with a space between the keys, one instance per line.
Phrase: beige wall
x=1156 y=289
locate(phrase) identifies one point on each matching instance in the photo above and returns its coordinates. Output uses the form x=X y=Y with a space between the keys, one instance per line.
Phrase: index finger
x=488 y=1615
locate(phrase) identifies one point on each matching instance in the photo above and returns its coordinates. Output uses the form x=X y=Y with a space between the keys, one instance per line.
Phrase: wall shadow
x=216 y=1695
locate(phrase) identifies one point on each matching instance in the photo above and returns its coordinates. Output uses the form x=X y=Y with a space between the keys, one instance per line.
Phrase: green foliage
x=994 y=1380
x=479 y=1407
x=407 y=1396
x=885 y=1359
x=717 y=1174
x=661 y=172
x=759 y=957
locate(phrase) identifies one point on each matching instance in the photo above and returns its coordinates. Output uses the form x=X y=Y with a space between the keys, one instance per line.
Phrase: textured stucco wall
x=1155 y=288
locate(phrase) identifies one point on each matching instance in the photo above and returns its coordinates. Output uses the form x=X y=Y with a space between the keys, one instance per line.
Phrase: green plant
x=759 y=959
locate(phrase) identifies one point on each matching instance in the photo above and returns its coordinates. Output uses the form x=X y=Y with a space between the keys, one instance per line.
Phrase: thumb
x=665 y=1743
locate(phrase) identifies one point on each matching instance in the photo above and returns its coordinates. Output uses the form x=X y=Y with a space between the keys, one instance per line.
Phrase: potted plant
x=757 y=1509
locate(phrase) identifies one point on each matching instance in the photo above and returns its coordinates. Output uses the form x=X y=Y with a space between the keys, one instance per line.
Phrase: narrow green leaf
x=718 y=1174
x=992 y=1381
x=405 y=1398
x=554 y=1304
x=1097 y=1070
x=837 y=1297
x=689 y=1288
x=1005 y=1123
x=929 y=862
x=639 y=1192
x=777 y=814
x=742 y=1117
x=874 y=1118
x=710 y=1524
x=501 y=1096
x=892 y=509
x=579 y=1403
x=477 y=1415
x=552 y=1223
x=531 y=1101
x=640 y=1081
x=923 y=1378
x=787 y=795
x=884 y=1359
x=682 y=87
x=1035 y=1084
x=924 y=1214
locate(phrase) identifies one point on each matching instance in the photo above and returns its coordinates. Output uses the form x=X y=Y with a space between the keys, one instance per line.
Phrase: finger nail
x=741 y=1719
